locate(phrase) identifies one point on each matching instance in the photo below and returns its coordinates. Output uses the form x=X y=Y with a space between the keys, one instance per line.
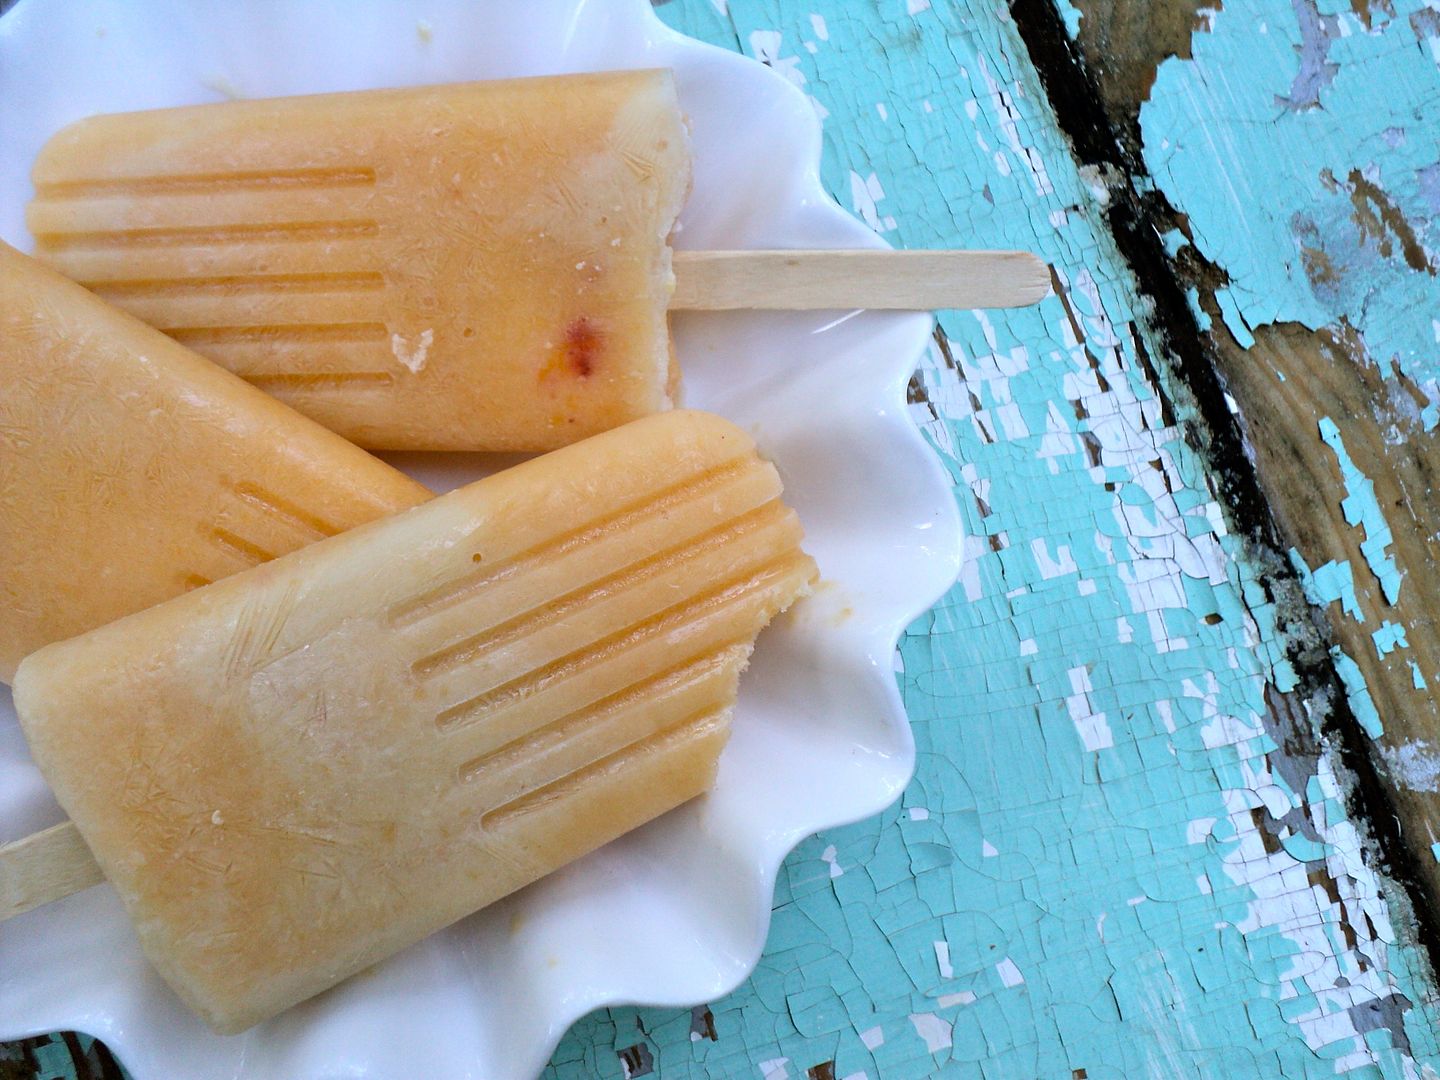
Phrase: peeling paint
x=1362 y=509
x=1334 y=581
x=1358 y=693
x=1332 y=218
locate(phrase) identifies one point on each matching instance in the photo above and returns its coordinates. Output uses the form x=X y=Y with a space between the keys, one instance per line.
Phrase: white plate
x=675 y=913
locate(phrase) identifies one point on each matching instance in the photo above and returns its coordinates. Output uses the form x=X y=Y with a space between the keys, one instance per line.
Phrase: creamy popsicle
x=299 y=770
x=132 y=470
x=474 y=266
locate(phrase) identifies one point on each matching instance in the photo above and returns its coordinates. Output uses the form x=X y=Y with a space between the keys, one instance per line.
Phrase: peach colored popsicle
x=315 y=763
x=132 y=470
x=474 y=266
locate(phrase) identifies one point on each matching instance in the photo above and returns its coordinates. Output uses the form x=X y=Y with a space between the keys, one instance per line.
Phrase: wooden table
x=1178 y=776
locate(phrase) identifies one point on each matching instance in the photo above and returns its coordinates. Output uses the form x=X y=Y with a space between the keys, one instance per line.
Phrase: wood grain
x=1288 y=380
x=824 y=280
x=1285 y=384
x=44 y=867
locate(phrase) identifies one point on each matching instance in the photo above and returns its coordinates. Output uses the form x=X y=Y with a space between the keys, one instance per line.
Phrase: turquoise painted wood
x=1337 y=110
x=1105 y=867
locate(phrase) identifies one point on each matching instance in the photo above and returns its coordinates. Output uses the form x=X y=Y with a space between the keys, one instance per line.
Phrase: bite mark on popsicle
x=625 y=578
x=750 y=592
x=230 y=827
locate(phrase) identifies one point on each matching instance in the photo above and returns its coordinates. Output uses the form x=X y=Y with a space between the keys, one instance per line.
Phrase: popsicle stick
x=904 y=280
x=44 y=867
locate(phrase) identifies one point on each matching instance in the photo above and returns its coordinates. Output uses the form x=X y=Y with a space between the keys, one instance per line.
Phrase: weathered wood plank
x=1295 y=147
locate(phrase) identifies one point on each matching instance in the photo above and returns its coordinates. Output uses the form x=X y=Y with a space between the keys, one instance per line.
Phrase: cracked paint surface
x=1106 y=865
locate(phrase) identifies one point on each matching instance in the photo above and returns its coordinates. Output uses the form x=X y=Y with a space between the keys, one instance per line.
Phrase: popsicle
x=132 y=470
x=473 y=266
x=299 y=770
x=480 y=266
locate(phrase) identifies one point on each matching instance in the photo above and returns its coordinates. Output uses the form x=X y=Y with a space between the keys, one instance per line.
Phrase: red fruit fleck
x=583 y=342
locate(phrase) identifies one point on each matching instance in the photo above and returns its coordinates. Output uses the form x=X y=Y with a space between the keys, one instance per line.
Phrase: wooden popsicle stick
x=840 y=279
x=44 y=867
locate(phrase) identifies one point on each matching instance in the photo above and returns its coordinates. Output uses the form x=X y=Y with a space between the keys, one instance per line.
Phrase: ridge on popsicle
x=134 y=470
x=479 y=266
x=514 y=673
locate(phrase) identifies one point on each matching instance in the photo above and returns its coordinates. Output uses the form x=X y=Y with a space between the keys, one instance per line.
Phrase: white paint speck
x=1197 y=831
x=1166 y=710
x=1009 y=973
x=884 y=113
x=915 y=7
x=964 y=997
x=413 y=356
x=1062 y=563
x=987 y=849
x=935 y=1031
x=817 y=23
x=829 y=856
x=1091 y=726
x=775 y=1069
x=1028 y=646
x=919 y=813
x=873 y=1037
x=766 y=45
x=865 y=192
x=942 y=958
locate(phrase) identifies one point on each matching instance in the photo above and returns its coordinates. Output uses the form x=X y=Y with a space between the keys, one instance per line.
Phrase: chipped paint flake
x=1388 y=638
x=1358 y=693
x=1363 y=509
x=933 y=1029
x=1009 y=974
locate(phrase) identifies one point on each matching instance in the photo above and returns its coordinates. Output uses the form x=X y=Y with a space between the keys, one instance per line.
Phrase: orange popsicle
x=480 y=266
x=312 y=764
x=132 y=469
